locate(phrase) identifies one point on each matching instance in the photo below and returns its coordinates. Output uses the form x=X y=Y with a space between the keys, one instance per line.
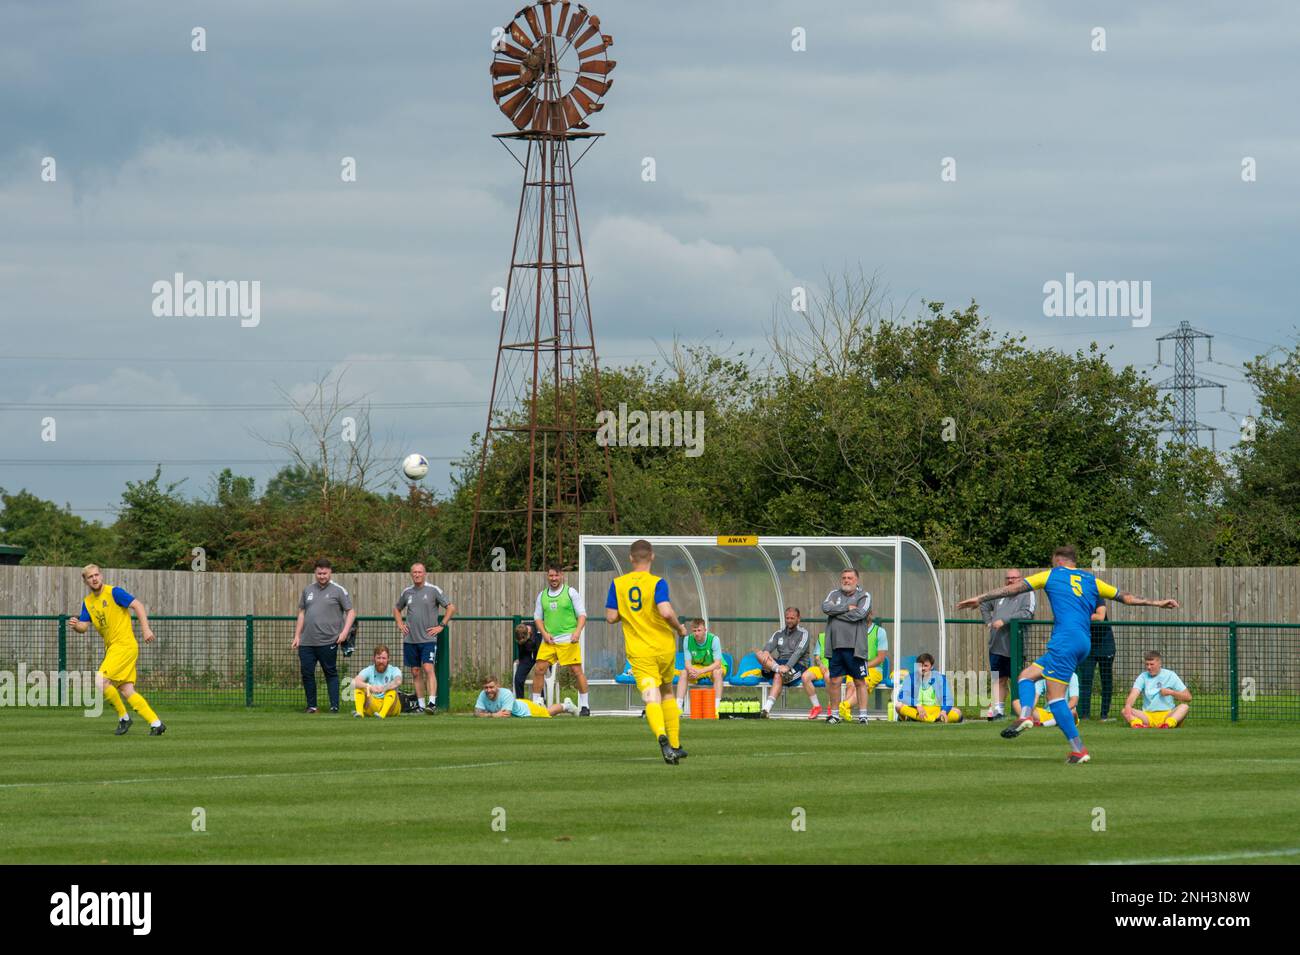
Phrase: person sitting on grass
x=498 y=702
x=1042 y=716
x=701 y=660
x=375 y=689
x=926 y=696
x=787 y=659
x=1164 y=697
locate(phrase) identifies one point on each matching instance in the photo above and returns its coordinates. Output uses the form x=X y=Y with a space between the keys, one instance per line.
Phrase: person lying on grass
x=498 y=702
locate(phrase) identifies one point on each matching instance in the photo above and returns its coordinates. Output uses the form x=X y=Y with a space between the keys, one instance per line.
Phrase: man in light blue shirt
x=374 y=689
x=1164 y=697
x=496 y=701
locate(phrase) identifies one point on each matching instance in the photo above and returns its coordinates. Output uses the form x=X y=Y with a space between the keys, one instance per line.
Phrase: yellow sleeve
x=1039 y=580
x=1109 y=591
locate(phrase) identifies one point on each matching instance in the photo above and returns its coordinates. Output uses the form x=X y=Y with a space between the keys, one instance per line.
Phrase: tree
x=1263 y=502
x=53 y=535
x=153 y=525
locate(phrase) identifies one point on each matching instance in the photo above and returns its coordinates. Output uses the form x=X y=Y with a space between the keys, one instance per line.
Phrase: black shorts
x=844 y=663
x=999 y=664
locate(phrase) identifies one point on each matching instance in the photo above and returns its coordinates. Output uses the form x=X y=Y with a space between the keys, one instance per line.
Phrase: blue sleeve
x=84 y=616
x=481 y=702
x=905 y=691
x=121 y=597
x=661 y=591
x=611 y=602
x=1176 y=683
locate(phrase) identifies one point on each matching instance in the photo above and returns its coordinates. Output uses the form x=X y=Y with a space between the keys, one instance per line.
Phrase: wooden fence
x=1257 y=594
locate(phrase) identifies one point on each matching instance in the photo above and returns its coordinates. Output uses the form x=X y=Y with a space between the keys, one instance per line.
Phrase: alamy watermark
x=1084 y=298
x=656 y=429
x=179 y=298
x=75 y=688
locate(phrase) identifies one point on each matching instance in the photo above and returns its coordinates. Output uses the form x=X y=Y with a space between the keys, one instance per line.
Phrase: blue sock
x=1065 y=720
x=1027 y=694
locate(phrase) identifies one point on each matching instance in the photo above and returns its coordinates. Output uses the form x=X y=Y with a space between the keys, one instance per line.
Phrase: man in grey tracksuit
x=998 y=615
x=848 y=611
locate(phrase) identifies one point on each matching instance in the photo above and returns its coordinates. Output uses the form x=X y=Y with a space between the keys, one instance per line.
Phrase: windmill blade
x=592 y=29
x=511 y=51
x=525 y=115
x=598 y=66
x=585 y=102
x=522 y=38
x=509 y=86
x=511 y=106
x=572 y=112
x=531 y=16
x=546 y=13
x=507 y=69
x=563 y=15
x=596 y=86
x=540 y=117
x=593 y=50
x=577 y=20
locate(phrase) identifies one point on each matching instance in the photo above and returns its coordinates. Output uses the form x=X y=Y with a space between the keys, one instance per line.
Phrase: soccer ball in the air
x=415 y=466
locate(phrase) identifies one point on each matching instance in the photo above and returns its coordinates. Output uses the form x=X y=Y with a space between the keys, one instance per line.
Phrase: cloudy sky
x=773 y=166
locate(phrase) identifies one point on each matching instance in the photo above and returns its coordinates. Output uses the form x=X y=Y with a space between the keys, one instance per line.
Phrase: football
x=415 y=466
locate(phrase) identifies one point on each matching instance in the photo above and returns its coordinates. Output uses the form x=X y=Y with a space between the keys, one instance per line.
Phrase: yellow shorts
x=874 y=676
x=566 y=654
x=706 y=676
x=119 y=663
x=653 y=671
x=1157 y=717
x=536 y=709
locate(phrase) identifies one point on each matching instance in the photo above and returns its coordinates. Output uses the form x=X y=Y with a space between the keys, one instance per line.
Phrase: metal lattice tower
x=1185 y=382
x=546 y=83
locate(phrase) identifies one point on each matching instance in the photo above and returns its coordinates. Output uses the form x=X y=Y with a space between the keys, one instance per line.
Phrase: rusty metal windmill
x=550 y=72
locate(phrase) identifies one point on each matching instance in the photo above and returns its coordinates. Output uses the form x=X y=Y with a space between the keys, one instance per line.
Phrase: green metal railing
x=1234 y=670
x=213 y=660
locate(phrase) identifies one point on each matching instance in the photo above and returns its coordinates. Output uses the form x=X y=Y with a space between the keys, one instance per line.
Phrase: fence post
x=442 y=669
x=1017 y=656
x=515 y=621
x=63 y=658
x=248 y=660
x=1233 y=688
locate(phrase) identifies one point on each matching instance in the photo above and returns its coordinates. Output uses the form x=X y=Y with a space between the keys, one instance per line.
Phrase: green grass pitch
x=281 y=786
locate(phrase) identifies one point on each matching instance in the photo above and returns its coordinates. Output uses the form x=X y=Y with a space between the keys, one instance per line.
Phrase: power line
x=150 y=462
x=217 y=406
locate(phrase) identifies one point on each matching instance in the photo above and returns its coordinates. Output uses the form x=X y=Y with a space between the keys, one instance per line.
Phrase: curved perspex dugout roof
x=741 y=586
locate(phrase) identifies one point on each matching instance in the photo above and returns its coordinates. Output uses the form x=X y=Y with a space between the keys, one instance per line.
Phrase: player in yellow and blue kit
x=639 y=600
x=109 y=609
x=1073 y=594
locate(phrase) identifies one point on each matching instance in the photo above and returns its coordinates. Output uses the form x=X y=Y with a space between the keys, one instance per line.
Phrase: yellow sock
x=115 y=700
x=141 y=706
x=359 y=701
x=672 y=722
x=654 y=715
